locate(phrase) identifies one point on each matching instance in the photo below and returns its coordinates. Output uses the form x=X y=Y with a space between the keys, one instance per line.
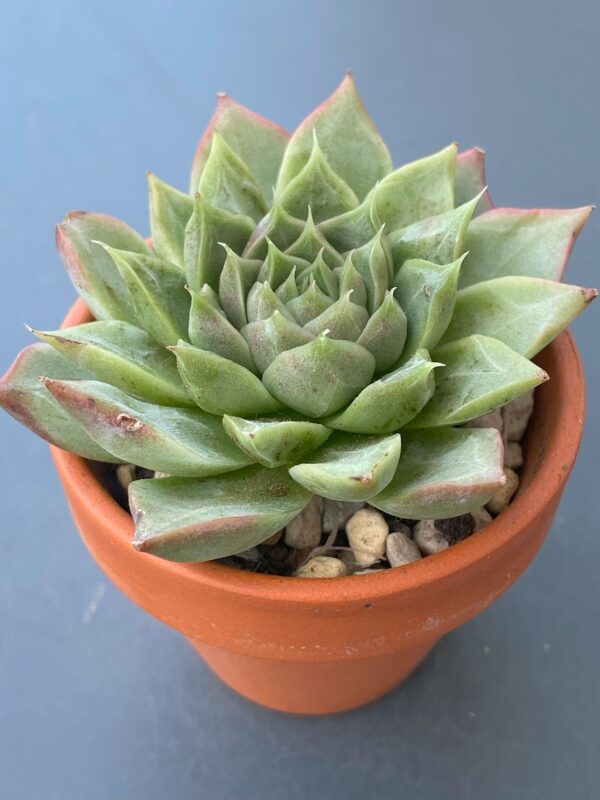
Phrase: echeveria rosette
x=307 y=320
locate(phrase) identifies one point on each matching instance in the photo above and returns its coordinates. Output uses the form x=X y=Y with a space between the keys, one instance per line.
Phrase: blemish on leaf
x=129 y=423
x=277 y=490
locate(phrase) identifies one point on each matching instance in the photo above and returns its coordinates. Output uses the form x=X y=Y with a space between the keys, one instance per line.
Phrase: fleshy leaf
x=157 y=291
x=220 y=386
x=479 y=375
x=470 y=179
x=309 y=305
x=427 y=294
x=319 y=188
x=207 y=231
x=275 y=442
x=178 y=441
x=417 y=190
x=524 y=313
x=348 y=138
x=320 y=377
x=352 y=229
x=288 y=289
x=226 y=182
x=25 y=398
x=259 y=142
x=389 y=403
x=444 y=473
x=344 y=320
x=237 y=277
x=123 y=355
x=311 y=242
x=440 y=239
x=324 y=277
x=210 y=330
x=92 y=271
x=278 y=226
x=269 y=337
x=183 y=519
x=170 y=211
x=385 y=333
x=373 y=263
x=278 y=266
x=351 y=280
x=350 y=468
x=262 y=303
x=514 y=241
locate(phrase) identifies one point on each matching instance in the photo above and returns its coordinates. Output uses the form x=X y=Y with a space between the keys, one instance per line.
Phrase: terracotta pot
x=318 y=646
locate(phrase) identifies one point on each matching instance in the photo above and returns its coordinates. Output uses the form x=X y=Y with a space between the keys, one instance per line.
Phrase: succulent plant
x=306 y=321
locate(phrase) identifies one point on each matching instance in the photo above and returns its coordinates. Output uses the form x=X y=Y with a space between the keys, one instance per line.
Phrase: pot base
x=303 y=687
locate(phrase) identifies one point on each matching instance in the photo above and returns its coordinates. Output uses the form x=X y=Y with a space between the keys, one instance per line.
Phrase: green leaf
x=262 y=303
x=157 y=292
x=123 y=355
x=350 y=468
x=269 y=337
x=417 y=190
x=237 y=277
x=175 y=440
x=427 y=293
x=324 y=276
x=373 y=263
x=344 y=320
x=91 y=269
x=182 y=519
x=278 y=226
x=479 y=375
x=385 y=333
x=207 y=231
x=226 y=182
x=320 y=377
x=514 y=241
x=352 y=229
x=278 y=266
x=444 y=473
x=25 y=398
x=524 y=313
x=220 y=386
x=257 y=141
x=309 y=305
x=470 y=179
x=388 y=404
x=210 y=330
x=170 y=211
x=275 y=442
x=311 y=242
x=351 y=280
x=440 y=239
x=348 y=138
x=319 y=188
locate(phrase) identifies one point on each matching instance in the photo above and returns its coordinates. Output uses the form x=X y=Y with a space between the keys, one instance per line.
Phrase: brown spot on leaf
x=277 y=489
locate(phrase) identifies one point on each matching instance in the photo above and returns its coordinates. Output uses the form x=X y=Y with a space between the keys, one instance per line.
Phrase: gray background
x=97 y=700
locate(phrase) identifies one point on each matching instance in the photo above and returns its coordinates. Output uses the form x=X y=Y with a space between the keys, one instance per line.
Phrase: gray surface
x=110 y=705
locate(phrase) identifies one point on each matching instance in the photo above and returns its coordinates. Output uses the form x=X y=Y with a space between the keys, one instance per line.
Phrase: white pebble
x=368 y=571
x=336 y=513
x=481 y=517
x=513 y=455
x=305 y=529
x=516 y=415
x=367 y=531
x=125 y=475
x=400 y=549
x=321 y=567
x=427 y=537
x=503 y=497
x=491 y=420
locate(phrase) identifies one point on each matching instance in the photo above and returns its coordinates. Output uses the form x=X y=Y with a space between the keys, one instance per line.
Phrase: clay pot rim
x=527 y=505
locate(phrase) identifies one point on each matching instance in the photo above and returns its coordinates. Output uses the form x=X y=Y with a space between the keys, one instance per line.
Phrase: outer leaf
x=157 y=292
x=470 y=179
x=269 y=337
x=319 y=188
x=275 y=442
x=514 y=241
x=207 y=231
x=123 y=355
x=259 y=142
x=226 y=182
x=92 y=271
x=440 y=239
x=174 y=440
x=388 y=404
x=348 y=138
x=199 y=520
x=479 y=375
x=427 y=294
x=28 y=401
x=320 y=377
x=170 y=211
x=350 y=467
x=220 y=386
x=444 y=473
x=210 y=330
x=524 y=313
x=417 y=190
